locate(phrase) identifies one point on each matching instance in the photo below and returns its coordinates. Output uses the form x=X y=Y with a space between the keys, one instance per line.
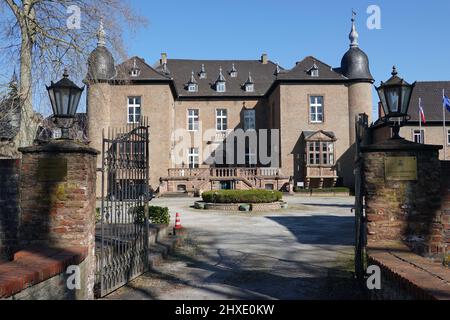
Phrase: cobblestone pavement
x=304 y=252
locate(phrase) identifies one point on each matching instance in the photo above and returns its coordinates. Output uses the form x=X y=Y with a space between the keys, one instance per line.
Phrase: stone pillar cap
x=60 y=146
x=399 y=145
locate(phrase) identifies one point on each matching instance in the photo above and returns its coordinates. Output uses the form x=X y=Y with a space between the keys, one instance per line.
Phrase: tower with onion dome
x=355 y=66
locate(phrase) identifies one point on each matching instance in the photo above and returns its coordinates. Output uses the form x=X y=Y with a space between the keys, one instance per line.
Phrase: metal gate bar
x=125 y=197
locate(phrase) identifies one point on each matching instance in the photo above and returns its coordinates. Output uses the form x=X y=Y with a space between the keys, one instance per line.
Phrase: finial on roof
x=250 y=79
x=233 y=68
x=394 y=71
x=134 y=63
x=165 y=69
x=353 y=34
x=101 y=35
x=221 y=78
x=66 y=73
x=202 y=73
x=192 y=80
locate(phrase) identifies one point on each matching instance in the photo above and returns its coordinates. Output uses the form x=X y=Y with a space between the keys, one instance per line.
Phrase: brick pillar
x=403 y=210
x=58 y=200
x=9 y=206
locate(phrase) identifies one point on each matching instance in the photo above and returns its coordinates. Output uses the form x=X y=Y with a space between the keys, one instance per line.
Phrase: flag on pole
x=422 y=113
x=446 y=102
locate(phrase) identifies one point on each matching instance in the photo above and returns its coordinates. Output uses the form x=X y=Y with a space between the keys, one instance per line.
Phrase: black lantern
x=395 y=95
x=64 y=97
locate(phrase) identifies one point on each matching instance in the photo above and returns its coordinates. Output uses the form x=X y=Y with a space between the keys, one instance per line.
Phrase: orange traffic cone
x=178 y=222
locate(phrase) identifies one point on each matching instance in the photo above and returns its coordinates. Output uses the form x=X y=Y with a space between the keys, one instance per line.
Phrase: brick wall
x=9 y=206
x=41 y=275
x=405 y=211
x=445 y=211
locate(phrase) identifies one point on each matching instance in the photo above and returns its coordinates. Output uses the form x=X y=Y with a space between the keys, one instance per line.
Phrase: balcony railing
x=225 y=172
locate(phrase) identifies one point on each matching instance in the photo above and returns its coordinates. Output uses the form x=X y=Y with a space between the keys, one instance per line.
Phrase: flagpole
x=444 y=124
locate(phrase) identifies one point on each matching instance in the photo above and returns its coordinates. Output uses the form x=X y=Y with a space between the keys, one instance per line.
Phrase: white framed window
x=221 y=120
x=250 y=87
x=193 y=119
x=193 y=87
x=250 y=157
x=316 y=109
x=220 y=87
x=321 y=153
x=134 y=109
x=134 y=73
x=56 y=133
x=314 y=72
x=193 y=158
x=419 y=136
x=448 y=137
x=249 y=120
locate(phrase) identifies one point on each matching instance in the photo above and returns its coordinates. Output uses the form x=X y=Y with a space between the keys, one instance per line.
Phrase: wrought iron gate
x=125 y=197
x=362 y=138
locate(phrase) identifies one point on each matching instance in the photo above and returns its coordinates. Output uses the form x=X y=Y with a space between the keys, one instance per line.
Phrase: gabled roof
x=309 y=135
x=146 y=71
x=431 y=94
x=302 y=68
x=263 y=76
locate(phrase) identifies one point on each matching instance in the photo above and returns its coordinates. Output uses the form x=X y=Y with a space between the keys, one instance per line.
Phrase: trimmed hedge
x=242 y=196
x=323 y=190
x=157 y=215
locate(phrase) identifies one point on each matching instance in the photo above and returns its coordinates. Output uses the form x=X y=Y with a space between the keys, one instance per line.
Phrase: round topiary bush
x=242 y=196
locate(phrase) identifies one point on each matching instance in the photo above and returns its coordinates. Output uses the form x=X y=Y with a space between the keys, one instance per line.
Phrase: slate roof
x=431 y=94
x=146 y=72
x=180 y=71
x=301 y=71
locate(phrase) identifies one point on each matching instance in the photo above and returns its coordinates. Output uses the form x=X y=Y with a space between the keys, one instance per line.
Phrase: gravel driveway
x=304 y=252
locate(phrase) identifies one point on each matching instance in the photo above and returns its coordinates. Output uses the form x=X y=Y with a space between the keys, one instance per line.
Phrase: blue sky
x=413 y=34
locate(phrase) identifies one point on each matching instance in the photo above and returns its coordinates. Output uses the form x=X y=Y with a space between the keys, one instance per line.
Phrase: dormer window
x=220 y=82
x=135 y=71
x=192 y=85
x=249 y=85
x=314 y=71
x=193 y=88
x=220 y=87
x=233 y=72
x=202 y=74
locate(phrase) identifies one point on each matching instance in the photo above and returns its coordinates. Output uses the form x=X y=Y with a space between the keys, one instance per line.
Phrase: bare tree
x=45 y=36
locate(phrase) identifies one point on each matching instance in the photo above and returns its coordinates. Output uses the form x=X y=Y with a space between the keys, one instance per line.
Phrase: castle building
x=303 y=117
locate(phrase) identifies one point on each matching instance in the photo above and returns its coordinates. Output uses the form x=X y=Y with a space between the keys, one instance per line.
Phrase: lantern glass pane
x=406 y=97
x=383 y=100
x=393 y=99
x=76 y=95
x=51 y=95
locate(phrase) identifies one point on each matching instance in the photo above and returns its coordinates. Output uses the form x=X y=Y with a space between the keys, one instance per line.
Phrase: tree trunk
x=28 y=123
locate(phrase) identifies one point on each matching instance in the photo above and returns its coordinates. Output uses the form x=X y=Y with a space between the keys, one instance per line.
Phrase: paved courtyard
x=304 y=252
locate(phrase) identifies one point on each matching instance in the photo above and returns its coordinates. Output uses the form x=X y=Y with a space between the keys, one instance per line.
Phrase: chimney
x=163 y=59
x=264 y=59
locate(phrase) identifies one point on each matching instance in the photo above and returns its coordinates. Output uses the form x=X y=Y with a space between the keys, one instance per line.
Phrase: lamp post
x=64 y=97
x=395 y=95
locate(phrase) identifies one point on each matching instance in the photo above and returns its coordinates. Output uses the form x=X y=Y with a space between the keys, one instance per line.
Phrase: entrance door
x=226 y=185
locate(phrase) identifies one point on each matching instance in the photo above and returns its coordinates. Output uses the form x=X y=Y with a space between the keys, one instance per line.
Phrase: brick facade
x=9 y=206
